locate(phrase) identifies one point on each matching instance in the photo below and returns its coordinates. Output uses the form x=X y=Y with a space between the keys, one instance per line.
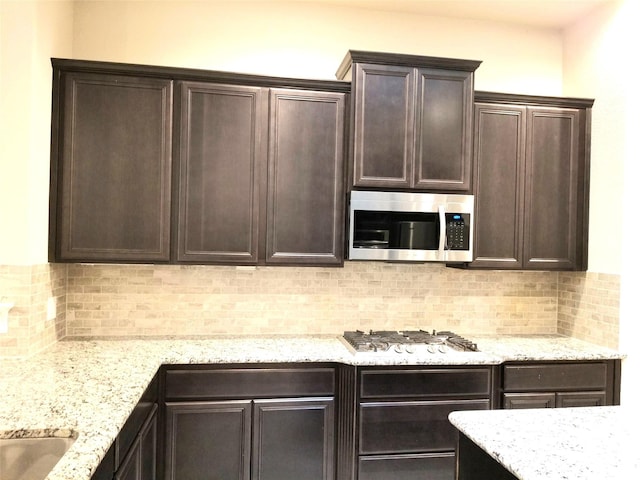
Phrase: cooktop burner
x=408 y=341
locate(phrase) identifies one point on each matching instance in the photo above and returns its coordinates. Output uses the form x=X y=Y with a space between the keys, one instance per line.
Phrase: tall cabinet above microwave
x=412 y=121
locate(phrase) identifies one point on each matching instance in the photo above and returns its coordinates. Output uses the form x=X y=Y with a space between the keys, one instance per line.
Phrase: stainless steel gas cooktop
x=408 y=341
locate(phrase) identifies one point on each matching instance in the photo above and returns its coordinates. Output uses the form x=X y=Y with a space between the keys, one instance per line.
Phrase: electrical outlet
x=51 y=308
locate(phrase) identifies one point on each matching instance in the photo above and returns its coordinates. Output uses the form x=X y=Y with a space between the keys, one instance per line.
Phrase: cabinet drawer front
x=425 y=383
x=528 y=400
x=405 y=427
x=563 y=376
x=440 y=466
x=248 y=383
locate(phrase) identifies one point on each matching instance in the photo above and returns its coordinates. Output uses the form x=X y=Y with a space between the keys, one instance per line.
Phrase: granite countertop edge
x=580 y=443
x=86 y=388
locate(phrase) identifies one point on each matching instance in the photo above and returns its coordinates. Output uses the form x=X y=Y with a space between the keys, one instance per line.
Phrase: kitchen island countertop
x=87 y=387
x=587 y=443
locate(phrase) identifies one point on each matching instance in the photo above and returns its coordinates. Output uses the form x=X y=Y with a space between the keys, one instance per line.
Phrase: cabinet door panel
x=444 y=130
x=208 y=440
x=441 y=466
x=499 y=185
x=581 y=399
x=148 y=449
x=219 y=173
x=305 y=205
x=140 y=461
x=552 y=175
x=115 y=168
x=293 y=439
x=528 y=400
x=384 y=126
x=405 y=427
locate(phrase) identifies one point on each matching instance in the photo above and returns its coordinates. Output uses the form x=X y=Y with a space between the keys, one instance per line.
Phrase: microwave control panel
x=457 y=231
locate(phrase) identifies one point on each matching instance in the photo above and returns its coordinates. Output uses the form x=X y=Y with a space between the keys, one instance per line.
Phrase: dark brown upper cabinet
x=261 y=175
x=111 y=167
x=305 y=185
x=232 y=169
x=222 y=128
x=531 y=182
x=411 y=121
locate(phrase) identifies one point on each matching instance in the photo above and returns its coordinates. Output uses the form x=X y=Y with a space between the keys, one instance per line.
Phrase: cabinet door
x=528 y=400
x=499 y=185
x=220 y=162
x=553 y=176
x=140 y=462
x=114 y=169
x=208 y=440
x=130 y=468
x=293 y=439
x=305 y=204
x=581 y=399
x=383 y=133
x=444 y=119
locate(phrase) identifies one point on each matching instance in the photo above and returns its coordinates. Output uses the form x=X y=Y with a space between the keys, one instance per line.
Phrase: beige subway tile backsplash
x=158 y=300
x=589 y=307
x=29 y=287
x=126 y=300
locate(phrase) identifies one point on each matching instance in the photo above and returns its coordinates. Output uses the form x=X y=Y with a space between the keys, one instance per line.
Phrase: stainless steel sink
x=30 y=458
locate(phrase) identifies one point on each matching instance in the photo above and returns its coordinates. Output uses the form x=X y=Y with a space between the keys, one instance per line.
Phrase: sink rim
x=33 y=454
x=39 y=433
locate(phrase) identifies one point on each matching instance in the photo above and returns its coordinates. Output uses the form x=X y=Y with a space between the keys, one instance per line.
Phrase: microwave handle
x=443 y=231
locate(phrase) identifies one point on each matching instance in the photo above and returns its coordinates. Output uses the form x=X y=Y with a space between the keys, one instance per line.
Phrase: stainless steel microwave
x=406 y=227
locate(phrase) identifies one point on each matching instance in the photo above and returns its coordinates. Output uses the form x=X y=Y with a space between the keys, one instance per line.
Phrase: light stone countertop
x=87 y=388
x=587 y=443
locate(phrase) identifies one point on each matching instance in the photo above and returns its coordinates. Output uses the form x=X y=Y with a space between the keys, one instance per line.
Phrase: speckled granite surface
x=88 y=388
x=590 y=443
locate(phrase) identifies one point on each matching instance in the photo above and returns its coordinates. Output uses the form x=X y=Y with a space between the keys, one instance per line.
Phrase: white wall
x=30 y=33
x=594 y=51
x=597 y=60
x=305 y=39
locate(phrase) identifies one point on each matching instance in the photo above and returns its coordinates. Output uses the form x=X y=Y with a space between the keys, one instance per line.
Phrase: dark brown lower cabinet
x=403 y=426
x=250 y=422
x=134 y=453
x=560 y=384
x=292 y=438
x=140 y=462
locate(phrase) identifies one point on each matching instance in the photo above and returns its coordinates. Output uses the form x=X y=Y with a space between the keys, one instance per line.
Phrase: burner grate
x=408 y=341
